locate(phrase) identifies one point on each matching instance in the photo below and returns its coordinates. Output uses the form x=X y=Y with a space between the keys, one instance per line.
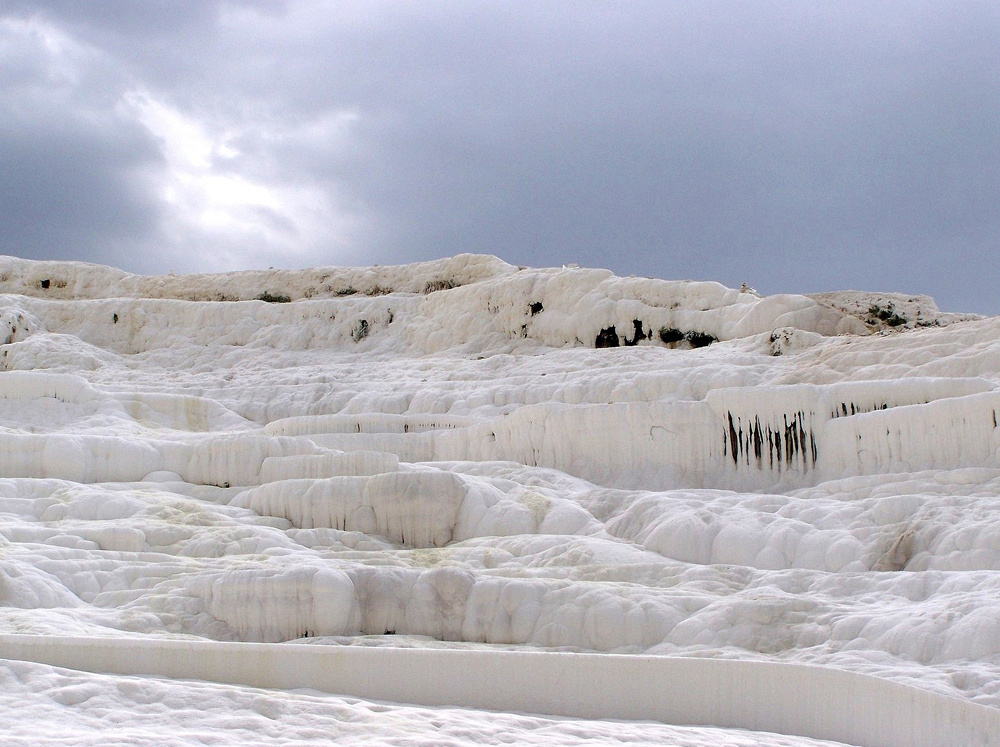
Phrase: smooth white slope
x=778 y=698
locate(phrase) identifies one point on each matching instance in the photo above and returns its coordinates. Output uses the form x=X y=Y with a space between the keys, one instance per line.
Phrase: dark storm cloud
x=796 y=146
x=72 y=168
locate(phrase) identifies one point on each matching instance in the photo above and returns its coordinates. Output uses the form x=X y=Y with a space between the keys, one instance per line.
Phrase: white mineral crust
x=464 y=455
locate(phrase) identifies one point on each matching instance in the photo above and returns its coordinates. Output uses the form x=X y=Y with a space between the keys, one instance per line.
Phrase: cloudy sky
x=797 y=146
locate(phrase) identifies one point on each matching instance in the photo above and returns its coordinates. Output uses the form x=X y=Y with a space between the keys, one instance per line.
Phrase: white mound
x=462 y=453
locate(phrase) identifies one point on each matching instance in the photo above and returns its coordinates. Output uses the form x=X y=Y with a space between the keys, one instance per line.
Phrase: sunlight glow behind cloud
x=210 y=193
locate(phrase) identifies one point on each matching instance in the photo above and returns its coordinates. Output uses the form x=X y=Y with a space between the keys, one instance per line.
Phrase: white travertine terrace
x=462 y=456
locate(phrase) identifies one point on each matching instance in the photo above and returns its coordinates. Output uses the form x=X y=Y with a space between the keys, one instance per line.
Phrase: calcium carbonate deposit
x=463 y=456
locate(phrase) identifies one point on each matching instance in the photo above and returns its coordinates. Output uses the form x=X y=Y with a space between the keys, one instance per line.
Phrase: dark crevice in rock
x=785 y=447
x=670 y=335
x=639 y=335
x=360 y=330
x=607 y=338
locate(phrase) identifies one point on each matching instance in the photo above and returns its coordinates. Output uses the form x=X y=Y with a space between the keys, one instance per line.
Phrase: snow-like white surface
x=59 y=706
x=764 y=696
x=449 y=454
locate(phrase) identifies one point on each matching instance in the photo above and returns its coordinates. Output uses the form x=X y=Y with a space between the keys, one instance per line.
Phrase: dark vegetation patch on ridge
x=609 y=337
x=269 y=297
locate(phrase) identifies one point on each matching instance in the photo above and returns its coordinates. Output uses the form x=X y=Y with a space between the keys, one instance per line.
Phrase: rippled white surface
x=408 y=465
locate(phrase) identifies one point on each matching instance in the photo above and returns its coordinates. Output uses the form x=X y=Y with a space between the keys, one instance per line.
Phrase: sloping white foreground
x=64 y=706
x=607 y=496
x=815 y=702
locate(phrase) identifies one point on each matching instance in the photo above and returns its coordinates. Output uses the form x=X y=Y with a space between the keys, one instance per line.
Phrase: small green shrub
x=269 y=297
x=439 y=285
x=886 y=314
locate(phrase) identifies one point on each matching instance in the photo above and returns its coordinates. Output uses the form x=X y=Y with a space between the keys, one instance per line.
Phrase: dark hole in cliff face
x=360 y=330
x=639 y=334
x=670 y=335
x=536 y=308
x=700 y=339
x=45 y=284
x=607 y=338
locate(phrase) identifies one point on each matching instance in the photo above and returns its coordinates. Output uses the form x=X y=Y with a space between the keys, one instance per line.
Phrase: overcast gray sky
x=796 y=146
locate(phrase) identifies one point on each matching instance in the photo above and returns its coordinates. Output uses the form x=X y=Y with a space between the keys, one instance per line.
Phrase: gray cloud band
x=796 y=147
